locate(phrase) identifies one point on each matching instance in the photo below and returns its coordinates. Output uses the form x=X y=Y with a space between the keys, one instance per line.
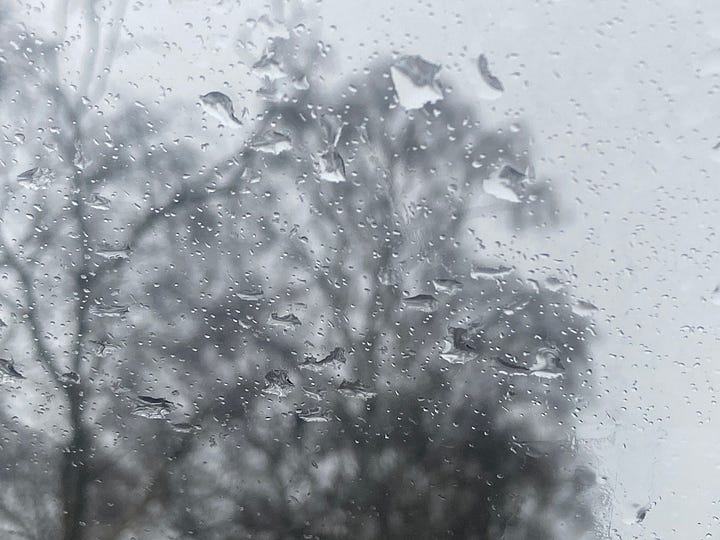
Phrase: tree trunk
x=74 y=476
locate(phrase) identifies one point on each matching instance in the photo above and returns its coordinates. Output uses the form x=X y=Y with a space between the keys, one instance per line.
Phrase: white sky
x=622 y=121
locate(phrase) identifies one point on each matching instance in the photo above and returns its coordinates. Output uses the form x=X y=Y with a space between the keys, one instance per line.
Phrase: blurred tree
x=415 y=385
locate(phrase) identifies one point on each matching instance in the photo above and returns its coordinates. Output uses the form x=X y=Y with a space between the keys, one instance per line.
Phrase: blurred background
x=355 y=270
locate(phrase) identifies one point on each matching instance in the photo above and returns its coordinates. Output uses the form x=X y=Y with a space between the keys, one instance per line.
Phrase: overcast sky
x=620 y=99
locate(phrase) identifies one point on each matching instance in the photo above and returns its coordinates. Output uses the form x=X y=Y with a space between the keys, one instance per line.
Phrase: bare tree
x=303 y=338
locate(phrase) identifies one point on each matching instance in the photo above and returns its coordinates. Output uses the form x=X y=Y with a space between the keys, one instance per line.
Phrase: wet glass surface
x=336 y=270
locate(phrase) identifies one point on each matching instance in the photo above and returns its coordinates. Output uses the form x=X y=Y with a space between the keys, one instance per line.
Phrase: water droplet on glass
x=113 y=252
x=547 y=364
x=316 y=394
x=184 y=427
x=80 y=160
x=36 y=178
x=107 y=346
x=301 y=83
x=97 y=201
x=491 y=88
x=553 y=284
x=642 y=512
x=421 y=302
x=329 y=166
x=355 y=389
x=221 y=107
x=272 y=142
x=505 y=184
x=284 y=321
x=268 y=66
x=115 y=311
x=447 y=286
x=313 y=415
x=251 y=295
x=414 y=80
x=153 y=408
x=278 y=383
x=334 y=360
x=69 y=378
x=8 y=372
x=584 y=308
x=458 y=348
x=491 y=272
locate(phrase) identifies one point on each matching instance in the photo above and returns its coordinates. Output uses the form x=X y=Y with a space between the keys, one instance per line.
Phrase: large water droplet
x=97 y=201
x=153 y=408
x=421 y=302
x=221 y=107
x=272 y=142
x=115 y=311
x=414 y=80
x=447 y=286
x=278 y=383
x=491 y=87
x=8 y=372
x=36 y=178
x=355 y=389
x=491 y=272
x=334 y=360
x=287 y=322
x=313 y=415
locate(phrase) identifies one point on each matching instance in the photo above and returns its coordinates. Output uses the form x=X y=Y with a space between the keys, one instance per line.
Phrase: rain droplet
x=317 y=395
x=553 y=284
x=329 y=166
x=117 y=311
x=110 y=252
x=272 y=142
x=584 y=308
x=251 y=296
x=69 y=378
x=97 y=201
x=642 y=512
x=458 y=357
x=268 y=66
x=335 y=360
x=414 y=80
x=491 y=272
x=80 y=160
x=8 y=371
x=547 y=364
x=504 y=185
x=355 y=389
x=153 y=408
x=491 y=88
x=106 y=346
x=284 y=321
x=221 y=107
x=278 y=383
x=301 y=83
x=36 y=178
x=313 y=415
x=447 y=286
x=421 y=302
x=184 y=427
